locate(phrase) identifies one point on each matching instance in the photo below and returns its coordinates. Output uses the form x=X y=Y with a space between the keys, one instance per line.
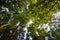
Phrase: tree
x=38 y=11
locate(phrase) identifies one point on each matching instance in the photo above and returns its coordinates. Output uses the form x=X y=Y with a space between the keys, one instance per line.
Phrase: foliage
x=39 y=11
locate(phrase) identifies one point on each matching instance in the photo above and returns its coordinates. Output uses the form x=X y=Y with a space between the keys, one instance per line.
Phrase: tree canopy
x=23 y=11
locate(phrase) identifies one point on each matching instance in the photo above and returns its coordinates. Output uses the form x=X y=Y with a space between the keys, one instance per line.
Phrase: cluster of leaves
x=39 y=11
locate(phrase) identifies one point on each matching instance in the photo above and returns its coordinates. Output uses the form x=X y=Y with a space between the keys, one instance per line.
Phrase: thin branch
x=3 y=27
